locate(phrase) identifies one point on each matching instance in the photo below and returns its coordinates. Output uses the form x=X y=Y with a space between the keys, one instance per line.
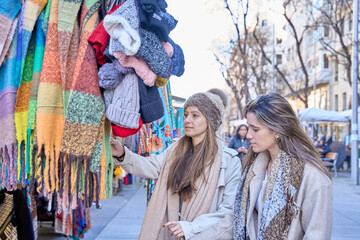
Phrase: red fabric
x=125 y=132
x=126 y=180
x=100 y=38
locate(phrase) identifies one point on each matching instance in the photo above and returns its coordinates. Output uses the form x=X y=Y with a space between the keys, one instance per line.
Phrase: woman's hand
x=117 y=149
x=175 y=229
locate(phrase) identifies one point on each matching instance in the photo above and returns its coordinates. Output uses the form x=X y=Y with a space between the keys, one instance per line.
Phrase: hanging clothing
x=15 y=217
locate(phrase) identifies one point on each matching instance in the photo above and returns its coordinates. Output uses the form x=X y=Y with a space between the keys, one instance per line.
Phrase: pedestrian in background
x=197 y=176
x=239 y=141
x=323 y=147
x=285 y=191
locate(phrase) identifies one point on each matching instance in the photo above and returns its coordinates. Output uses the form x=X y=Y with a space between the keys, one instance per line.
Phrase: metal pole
x=354 y=126
x=315 y=72
x=273 y=65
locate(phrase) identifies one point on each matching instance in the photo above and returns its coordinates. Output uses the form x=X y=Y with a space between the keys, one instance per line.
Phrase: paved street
x=121 y=216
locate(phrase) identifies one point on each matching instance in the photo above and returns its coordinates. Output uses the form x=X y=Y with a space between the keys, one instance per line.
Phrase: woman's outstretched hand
x=175 y=229
x=117 y=149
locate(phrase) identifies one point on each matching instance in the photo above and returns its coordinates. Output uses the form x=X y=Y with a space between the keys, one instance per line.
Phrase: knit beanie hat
x=159 y=22
x=211 y=103
x=123 y=28
x=124 y=108
x=125 y=132
x=154 y=54
x=151 y=105
x=177 y=59
x=111 y=74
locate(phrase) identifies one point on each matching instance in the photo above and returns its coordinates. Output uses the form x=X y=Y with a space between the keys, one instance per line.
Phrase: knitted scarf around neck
x=164 y=205
x=278 y=209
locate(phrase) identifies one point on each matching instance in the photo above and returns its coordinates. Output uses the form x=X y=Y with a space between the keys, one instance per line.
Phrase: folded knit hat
x=159 y=22
x=153 y=53
x=125 y=132
x=123 y=28
x=151 y=105
x=111 y=74
x=211 y=103
x=177 y=59
x=140 y=66
x=124 y=108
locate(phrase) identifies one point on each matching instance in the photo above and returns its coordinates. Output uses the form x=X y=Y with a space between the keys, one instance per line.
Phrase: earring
x=277 y=139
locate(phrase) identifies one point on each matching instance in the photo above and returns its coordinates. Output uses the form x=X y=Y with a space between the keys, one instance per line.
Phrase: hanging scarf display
x=55 y=134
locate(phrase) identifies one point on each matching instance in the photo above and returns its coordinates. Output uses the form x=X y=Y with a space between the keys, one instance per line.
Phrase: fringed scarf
x=41 y=30
x=279 y=208
x=31 y=13
x=50 y=108
x=164 y=205
x=8 y=89
x=82 y=133
x=106 y=164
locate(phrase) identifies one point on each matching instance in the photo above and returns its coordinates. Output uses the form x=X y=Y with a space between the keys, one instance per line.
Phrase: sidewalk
x=346 y=208
x=121 y=216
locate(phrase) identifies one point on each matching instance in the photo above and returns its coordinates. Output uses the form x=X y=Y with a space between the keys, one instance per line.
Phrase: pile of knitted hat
x=137 y=57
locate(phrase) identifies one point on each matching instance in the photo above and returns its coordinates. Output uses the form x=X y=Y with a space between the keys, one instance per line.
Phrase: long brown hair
x=275 y=112
x=189 y=163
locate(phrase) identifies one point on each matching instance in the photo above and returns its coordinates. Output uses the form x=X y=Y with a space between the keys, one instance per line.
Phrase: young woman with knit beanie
x=285 y=191
x=197 y=175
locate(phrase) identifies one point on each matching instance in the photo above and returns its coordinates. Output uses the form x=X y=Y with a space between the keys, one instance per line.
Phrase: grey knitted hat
x=211 y=103
x=123 y=28
x=108 y=96
x=124 y=108
x=111 y=74
x=153 y=53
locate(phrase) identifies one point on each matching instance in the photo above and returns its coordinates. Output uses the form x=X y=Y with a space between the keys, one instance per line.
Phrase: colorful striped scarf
x=41 y=31
x=8 y=12
x=84 y=111
x=50 y=107
x=31 y=13
x=8 y=88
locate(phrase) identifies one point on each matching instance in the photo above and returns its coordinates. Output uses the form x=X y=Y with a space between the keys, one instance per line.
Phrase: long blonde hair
x=189 y=163
x=275 y=112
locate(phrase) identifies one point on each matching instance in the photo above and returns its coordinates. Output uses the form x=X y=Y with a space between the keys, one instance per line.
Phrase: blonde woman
x=285 y=192
x=197 y=176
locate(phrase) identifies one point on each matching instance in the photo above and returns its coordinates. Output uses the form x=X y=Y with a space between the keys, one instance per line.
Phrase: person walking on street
x=285 y=191
x=197 y=176
x=239 y=142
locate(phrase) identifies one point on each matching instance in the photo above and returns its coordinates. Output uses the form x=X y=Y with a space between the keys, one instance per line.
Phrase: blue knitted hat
x=177 y=59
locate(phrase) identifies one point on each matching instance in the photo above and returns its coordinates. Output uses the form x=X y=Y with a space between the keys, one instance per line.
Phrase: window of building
x=344 y=101
x=336 y=70
x=342 y=26
x=326 y=31
x=278 y=59
x=326 y=61
x=264 y=23
x=336 y=101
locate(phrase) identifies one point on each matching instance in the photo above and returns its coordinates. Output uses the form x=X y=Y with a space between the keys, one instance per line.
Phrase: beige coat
x=314 y=197
x=224 y=198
